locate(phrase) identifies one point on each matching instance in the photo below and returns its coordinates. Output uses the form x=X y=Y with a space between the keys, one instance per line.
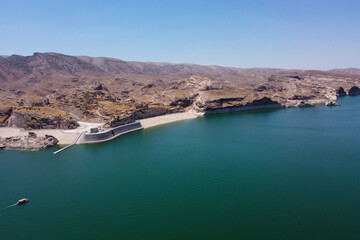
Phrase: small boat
x=22 y=201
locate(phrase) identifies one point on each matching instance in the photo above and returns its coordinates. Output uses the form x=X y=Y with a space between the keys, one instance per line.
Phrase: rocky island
x=56 y=91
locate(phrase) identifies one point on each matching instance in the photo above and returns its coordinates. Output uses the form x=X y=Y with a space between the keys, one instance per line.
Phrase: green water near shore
x=272 y=174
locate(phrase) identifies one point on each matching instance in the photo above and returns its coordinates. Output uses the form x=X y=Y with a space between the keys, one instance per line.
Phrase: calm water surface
x=276 y=174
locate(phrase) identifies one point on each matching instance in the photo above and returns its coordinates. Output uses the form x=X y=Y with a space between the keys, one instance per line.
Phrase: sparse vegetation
x=146 y=89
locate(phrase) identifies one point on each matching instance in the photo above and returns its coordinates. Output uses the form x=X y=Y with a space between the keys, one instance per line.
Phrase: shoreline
x=67 y=137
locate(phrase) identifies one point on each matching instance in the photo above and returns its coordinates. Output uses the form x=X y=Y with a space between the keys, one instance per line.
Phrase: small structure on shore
x=94 y=130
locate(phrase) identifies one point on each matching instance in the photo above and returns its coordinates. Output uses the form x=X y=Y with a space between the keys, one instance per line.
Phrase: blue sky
x=302 y=34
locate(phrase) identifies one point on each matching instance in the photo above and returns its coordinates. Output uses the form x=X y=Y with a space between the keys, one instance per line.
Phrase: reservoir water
x=274 y=174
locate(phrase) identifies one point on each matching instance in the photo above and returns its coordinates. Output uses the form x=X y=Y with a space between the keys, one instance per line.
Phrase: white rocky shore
x=30 y=142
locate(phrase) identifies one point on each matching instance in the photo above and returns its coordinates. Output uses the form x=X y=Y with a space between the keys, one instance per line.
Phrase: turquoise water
x=274 y=174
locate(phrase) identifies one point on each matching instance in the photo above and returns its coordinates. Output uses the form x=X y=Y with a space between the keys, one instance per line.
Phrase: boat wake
x=5 y=208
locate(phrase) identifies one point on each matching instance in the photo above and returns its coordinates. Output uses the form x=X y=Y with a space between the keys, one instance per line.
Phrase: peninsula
x=52 y=98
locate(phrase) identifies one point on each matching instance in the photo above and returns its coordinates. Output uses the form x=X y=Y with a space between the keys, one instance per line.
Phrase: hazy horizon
x=2 y=55
x=320 y=35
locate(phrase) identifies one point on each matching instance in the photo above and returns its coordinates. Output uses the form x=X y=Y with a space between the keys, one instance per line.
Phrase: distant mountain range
x=14 y=67
x=51 y=62
x=353 y=71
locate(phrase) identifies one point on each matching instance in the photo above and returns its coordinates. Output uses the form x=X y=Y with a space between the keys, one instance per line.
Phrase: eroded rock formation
x=341 y=92
x=37 y=121
x=354 y=91
x=4 y=116
x=30 y=142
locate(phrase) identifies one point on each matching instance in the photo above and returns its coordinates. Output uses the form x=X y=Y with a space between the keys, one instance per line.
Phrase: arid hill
x=51 y=90
x=354 y=71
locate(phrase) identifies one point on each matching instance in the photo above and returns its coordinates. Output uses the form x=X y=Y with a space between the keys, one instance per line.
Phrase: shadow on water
x=246 y=112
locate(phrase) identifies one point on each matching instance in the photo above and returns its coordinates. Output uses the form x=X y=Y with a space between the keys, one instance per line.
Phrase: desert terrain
x=55 y=91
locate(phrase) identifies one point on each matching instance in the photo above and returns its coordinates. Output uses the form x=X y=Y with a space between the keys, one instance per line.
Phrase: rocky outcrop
x=42 y=103
x=340 y=92
x=299 y=97
x=219 y=103
x=354 y=91
x=150 y=85
x=144 y=111
x=30 y=142
x=261 y=88
x=36 y=121
x=304 y=104
x=331 y=104
x=203 y=83
x=297 y=77
x=100 y=87
x=183 y=102
x=263 y=103
x=122 y=121
x=4 y=116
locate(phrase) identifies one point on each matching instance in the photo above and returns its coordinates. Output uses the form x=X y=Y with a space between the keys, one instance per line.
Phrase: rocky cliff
x=36 y=121
x=341 y=92
x=354 y=91
x=4 y=116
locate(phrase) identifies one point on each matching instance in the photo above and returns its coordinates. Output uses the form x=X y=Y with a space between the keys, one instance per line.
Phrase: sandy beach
x=66 y=137
x=164 y=119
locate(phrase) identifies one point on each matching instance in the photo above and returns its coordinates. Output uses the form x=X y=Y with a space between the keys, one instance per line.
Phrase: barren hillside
x=51 y=90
